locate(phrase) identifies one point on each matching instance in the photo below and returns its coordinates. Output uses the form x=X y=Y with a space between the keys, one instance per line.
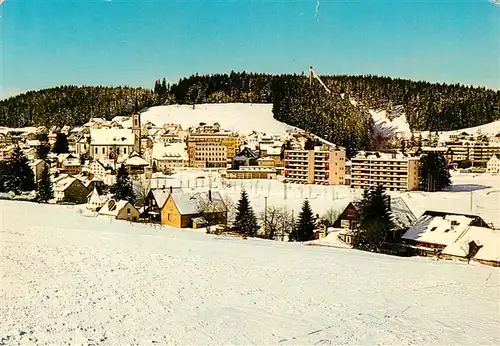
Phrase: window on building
x=104 y=150
x=128 y=211
x=95 y=150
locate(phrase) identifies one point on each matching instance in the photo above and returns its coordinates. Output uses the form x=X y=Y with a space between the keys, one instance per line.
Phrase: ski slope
x=70 y=279
x=238 y=117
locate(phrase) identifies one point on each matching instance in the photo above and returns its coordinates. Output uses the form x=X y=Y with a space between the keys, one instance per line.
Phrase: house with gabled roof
x=120 y=210
x=155 y=200
x=493 y=164
x=186 y=210
x=69 y=189
x=435 y=230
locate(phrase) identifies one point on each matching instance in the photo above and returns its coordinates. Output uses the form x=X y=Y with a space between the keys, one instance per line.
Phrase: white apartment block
x=321 y=166
x=394 y=171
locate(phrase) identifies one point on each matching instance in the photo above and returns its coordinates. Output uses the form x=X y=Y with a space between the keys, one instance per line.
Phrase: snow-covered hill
x=241 y=117
x=492 y=128
x=394 y=125
x=72 y=279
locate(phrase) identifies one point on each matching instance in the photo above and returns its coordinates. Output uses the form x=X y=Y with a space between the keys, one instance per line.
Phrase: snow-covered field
x=483 y=190
x=70 y=279
x=240 y=117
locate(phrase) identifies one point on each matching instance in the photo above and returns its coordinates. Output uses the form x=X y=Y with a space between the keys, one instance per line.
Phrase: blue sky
x=51 y=42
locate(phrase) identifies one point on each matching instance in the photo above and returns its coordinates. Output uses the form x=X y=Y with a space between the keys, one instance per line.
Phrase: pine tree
x=304 y=228
x=434 y=174
x=20 y=176
x=122 y=189
x=45 y=191
x=245 y=221
x=61 y=146
x=42 y=150
x=375 y=219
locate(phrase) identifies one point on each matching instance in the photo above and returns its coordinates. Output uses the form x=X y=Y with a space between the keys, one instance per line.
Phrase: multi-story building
x=168 y=156
x=323 y=166
x=394 y=171
x=474 y=151
x=207 y=149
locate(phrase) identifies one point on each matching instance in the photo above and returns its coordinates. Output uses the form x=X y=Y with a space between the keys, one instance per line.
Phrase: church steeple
x=136 y=127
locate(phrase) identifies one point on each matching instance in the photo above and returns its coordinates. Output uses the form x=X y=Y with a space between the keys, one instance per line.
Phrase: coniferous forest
x=71 y=105
x=297 y=102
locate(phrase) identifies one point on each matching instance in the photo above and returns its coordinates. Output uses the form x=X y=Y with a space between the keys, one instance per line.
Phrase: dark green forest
x=71 y=105
x=297 y=102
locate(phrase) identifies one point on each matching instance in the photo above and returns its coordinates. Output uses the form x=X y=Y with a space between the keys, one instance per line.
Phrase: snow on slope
x=77 y=280
x=395 y=125
x=491 y=129
x=241 y=117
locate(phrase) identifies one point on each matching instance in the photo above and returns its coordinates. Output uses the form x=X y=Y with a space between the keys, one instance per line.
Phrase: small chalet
x=120 y=210
x=401 y=216
x=70 y=190
x=155 y=200
x=479 y=244
x=136 y=165
x=95 y=201
x=185 y=210
x=435 y=230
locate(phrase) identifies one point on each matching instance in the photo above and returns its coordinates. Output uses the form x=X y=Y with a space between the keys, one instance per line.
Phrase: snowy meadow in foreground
x=72 y=279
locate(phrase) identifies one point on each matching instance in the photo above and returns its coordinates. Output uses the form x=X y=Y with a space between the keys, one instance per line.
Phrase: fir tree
x=375 y=219
x=245 y=221
x=45 y=191
x=20 y=176
x=42 y=150
x=434 y=174
x=304 y=228
x=122 y=189
x=309 y=145
x=61 y=146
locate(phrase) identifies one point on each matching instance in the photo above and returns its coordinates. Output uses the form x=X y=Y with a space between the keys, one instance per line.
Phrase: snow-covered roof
x=377 y=155
x=111 y=137
x=437 y=229
x=189 y=204
x=33 y=143
x=271 y=149
x=63 y=183
x=488 y=238
x=161 y=195
x=113 y=207
x=72 y=161
x=164 y=151
x=36 y=162
x=136 y=160
x=332 y=239
x=402 y=216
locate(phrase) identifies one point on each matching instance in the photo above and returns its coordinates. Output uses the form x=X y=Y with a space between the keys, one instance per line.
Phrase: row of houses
x=440 y=234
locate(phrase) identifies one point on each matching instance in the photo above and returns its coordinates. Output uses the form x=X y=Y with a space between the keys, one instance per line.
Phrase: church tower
x=136 y=128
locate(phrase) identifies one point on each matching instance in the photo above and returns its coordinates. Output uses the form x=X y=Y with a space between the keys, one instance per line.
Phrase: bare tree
x=329 y=217
x=141 y=190
x=231 y=210
x=278 y=223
